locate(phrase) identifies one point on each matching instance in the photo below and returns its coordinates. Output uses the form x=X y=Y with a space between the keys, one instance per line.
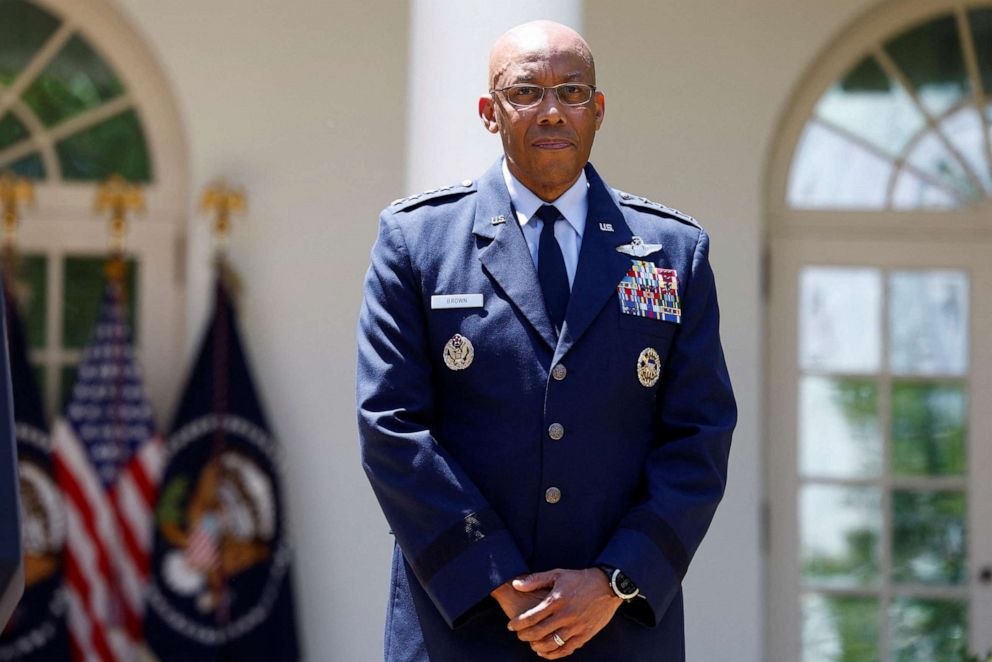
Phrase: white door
x=880 y=460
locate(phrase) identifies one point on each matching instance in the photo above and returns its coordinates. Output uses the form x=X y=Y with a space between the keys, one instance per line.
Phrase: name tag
x=456 y=301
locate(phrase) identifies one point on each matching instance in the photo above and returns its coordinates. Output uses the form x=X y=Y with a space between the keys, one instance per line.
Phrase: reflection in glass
x=928 y=322
x=840 y=529
x=928 y=630
x=981 y=36
x=83 y=287
x=912 y=192
x=929 y=541
x=116 y=145
x=839 y=432
x=839 y=629
x=30 y=166
x=12 y=131
x=930 y=57
x=840 y=319
x=830 y=171
x=929 y=429
x=964 y=129
x=24 y=28
x=930 y=155
x=868 y=104
x=76 y=80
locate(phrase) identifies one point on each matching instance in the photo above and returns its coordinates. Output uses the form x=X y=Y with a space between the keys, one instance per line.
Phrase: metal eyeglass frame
x=544 y=89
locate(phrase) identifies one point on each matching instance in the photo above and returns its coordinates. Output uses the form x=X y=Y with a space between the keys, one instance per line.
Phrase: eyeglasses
x=528 y=96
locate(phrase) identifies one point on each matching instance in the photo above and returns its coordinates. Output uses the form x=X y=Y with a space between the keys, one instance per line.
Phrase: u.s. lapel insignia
x=606 y=227
x=458 y=352
x=648 y=367
x=498 y=220
x=637 y=248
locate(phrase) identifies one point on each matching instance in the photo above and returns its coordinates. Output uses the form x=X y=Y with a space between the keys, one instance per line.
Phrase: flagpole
x=14 y=191
x=223 y=201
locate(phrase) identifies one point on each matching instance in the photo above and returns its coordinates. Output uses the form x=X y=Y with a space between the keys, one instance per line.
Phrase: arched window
x=81 y=99
x=880 y=230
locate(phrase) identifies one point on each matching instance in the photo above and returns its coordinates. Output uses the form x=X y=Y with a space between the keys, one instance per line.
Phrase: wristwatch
x=622 y=585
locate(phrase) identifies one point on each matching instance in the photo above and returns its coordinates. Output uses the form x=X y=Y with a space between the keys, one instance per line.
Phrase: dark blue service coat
x=462 y=460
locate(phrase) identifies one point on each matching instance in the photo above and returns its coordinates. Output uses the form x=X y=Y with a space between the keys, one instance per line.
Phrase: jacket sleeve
x=456 y=545
x=686 y=472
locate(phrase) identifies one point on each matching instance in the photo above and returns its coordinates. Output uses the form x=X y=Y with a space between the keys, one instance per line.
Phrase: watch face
x=624 y=586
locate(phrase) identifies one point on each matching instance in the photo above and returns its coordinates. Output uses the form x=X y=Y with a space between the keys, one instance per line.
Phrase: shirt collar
x=572 y=204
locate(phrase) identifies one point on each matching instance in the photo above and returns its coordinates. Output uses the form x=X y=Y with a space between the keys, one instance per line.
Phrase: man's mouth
x=552 y=144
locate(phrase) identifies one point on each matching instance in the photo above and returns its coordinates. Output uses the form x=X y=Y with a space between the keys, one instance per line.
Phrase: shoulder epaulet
x=466 y=186
x=644 y=203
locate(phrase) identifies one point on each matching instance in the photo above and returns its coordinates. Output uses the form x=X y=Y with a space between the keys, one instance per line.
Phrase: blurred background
x=837 y=151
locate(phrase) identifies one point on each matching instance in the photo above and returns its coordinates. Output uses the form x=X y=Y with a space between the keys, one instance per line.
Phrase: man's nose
x=550 y=110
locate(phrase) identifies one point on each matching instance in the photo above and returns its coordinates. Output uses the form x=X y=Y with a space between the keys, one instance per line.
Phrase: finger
x=535 y=581
x=549 y=643
x=544 y=630
x=571 y=645
x=535 y=614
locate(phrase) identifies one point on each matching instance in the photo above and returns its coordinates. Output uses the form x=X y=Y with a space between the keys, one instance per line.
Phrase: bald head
x=533 y=41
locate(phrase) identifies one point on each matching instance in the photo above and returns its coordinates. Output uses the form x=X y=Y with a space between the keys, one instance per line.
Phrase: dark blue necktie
x=551 y=268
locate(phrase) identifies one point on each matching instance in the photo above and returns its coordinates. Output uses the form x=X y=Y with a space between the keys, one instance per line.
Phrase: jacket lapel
x=507 y=258
x=600 y=266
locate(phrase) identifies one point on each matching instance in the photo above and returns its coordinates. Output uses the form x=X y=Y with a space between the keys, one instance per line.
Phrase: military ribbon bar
x=648 y=291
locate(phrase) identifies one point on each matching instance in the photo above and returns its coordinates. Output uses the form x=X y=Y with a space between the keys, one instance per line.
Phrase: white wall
x=694 y=92
x=305 y=104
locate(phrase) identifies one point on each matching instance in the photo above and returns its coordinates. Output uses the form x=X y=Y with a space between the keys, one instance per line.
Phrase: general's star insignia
x=458 y=352
x=648 y=367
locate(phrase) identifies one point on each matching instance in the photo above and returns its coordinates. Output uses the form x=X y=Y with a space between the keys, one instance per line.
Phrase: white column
x=448 y=60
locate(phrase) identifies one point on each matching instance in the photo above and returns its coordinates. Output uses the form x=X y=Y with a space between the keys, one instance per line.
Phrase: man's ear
x=487 y=113
x=600 y=101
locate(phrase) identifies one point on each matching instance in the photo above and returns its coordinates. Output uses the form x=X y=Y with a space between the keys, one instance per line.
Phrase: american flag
x=108 y=459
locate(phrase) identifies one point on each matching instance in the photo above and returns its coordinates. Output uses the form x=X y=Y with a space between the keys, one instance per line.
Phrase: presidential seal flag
x=36 y=630
x=107 y=461
x=221 y=587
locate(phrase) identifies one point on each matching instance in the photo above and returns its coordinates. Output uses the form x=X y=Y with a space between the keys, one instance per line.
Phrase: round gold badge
x=458 y=352
x=648 y=367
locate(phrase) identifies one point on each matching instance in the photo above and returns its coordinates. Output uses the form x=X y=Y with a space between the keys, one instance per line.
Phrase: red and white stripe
x=108 y=546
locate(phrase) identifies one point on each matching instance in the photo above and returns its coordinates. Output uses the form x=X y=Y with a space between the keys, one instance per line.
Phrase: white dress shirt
x=572 y=204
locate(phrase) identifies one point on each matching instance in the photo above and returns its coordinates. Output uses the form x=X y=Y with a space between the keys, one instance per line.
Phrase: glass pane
x=12 y=131
x=928 y=322
x=41 y=378
x=840 y=319
x=964 y=129
x=30 y=166
x=75 y=81
x=114 y=146
x=839 y=431
x=830 y=171
x=31 y=291
x=981 y=31
x=912 y=192
x=928 y=429
x=929 y=630
x=929 y=541
x=24 y=28
x=84 y=286
x=840 y=529
x=931 y=156
x=840 y=629
x=868 y=104
x=930 y=57
x=68 y=377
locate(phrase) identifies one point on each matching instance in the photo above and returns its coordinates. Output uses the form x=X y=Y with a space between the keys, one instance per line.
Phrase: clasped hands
x=572 y=604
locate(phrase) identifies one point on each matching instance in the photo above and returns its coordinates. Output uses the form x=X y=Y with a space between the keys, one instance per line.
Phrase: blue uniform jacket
x=461 y=461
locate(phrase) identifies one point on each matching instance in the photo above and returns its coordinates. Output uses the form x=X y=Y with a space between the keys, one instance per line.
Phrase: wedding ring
x=558 y=639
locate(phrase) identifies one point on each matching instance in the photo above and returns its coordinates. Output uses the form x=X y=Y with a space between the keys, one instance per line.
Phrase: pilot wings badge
x=637 y=248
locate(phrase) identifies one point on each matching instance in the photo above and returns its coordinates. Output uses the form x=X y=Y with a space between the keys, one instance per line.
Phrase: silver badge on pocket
x=458 y=352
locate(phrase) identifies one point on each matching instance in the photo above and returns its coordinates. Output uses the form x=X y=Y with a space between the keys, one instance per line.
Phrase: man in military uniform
x=544 y=407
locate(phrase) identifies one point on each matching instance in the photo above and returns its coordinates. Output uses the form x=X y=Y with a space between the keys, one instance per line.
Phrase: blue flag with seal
x=37 y=629
x=221 y=587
